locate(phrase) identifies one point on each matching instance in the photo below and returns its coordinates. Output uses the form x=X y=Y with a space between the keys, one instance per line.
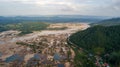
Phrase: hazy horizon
x=52 y=15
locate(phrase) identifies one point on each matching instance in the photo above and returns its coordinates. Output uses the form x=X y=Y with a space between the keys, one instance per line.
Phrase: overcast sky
x=60 y=7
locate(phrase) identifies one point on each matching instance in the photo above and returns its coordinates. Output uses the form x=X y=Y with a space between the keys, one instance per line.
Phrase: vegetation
x=24 y=27
x=82 y=60
x=100 y=41
x=32 y=46
x=108 y=22
x=62 y=28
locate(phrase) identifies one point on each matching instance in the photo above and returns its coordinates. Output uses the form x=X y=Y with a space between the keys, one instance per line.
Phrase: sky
x=60 y=7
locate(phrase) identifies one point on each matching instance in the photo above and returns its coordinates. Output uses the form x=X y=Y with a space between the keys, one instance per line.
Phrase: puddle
x=13 y=58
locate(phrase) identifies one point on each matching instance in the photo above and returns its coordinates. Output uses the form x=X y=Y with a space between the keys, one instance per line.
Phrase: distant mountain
x=54 y=19
x=101 y=41
x=108 y=22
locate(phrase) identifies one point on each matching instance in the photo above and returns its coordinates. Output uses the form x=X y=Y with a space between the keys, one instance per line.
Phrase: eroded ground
x=42 y=49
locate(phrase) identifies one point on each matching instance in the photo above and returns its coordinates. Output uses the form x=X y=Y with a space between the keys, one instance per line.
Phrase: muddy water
x=2 y=42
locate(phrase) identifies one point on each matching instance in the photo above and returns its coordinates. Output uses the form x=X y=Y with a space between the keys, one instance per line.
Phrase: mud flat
x=56 y=40
x=10 y=36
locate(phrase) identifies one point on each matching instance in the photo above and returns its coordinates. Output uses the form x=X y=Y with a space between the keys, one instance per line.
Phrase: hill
x=108 y=22
x=101 y=41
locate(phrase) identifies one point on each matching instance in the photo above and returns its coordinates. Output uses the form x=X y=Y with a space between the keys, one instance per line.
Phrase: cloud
x=97 y=7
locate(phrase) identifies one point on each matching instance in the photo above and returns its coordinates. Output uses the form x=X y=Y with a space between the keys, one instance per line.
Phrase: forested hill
x=108 y=22
x=100 y=41
x=53 y=19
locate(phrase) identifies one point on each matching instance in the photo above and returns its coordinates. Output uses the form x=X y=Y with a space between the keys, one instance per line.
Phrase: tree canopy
x=101 y=41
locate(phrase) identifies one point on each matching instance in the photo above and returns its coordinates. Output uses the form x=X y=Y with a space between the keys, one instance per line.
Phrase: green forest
x=100 y=41
x=24 y=27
